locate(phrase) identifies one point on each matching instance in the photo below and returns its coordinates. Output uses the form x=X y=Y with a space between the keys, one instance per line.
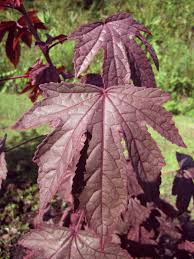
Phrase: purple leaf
x=108 y=115
x=150 y=50
x=186 y=163
x=141 y=70
x=6 y=27
x=113 y=36
x=92 y=79
x=63 y=243
x=13 y=52
x=17 y=32
x=39 y=74
x=187 y=245
x=136 y=213
x=183 y=186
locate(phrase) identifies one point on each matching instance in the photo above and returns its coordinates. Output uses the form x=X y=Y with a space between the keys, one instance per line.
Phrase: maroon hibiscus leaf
x=12 y=50
x=108 y=115
x=114 y=36
x=3 y=167
x=187 y=245
x=39 y=74
x=4 y=27
x=134 y=216
x=10 y=3
x=24 y=35
x=63 y=243
x=141 y=235
x=150 y=50
x=92 y=79
x=169 y=227
x=183 y=185
x=141 y=70
x=34 y=19
x=27 y=38
x=186 y=164
x=136 y=213
x=18 y=32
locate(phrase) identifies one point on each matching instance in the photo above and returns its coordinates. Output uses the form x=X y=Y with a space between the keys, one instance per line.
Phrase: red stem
x=79 y=221
x=53 y=45
x=12 y=78
x=44 y=48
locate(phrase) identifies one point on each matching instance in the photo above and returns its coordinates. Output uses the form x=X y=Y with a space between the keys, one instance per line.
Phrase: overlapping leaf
x=158 y=236
x=10 y=3
x=18 y=32
x=187 y=245
x=3 y=167
x=141 y=70
x=116 y=36
x=108 y=115
x=186 y=163
x=63 y=243
x=39 y=74
x=183 y=185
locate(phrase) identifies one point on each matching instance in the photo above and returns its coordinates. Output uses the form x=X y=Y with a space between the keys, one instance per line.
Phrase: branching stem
x=42 y=45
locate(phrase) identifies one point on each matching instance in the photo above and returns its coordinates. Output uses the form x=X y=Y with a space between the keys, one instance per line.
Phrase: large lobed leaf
x=64 y=243
x=108 y=115
x=116 y=36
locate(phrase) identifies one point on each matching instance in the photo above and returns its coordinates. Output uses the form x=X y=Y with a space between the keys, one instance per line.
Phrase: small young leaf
x=39 y=74
x=113 y=36
x=34 y=19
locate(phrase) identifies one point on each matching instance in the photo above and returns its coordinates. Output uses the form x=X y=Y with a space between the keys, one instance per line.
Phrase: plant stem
x=53 y=45
x=23 y=143
x=44 y=48
x=12 y=78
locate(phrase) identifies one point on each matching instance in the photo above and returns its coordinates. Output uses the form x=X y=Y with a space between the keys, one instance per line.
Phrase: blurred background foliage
x=171 y=23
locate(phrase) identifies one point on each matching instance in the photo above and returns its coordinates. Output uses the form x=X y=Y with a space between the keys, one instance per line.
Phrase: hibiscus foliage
x=99 y=158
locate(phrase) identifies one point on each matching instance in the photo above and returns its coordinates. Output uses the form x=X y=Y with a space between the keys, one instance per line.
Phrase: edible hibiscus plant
x=99 y=158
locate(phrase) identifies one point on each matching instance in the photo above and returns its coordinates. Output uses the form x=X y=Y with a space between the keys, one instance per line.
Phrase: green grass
x=12 y=106
x=186 y=128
